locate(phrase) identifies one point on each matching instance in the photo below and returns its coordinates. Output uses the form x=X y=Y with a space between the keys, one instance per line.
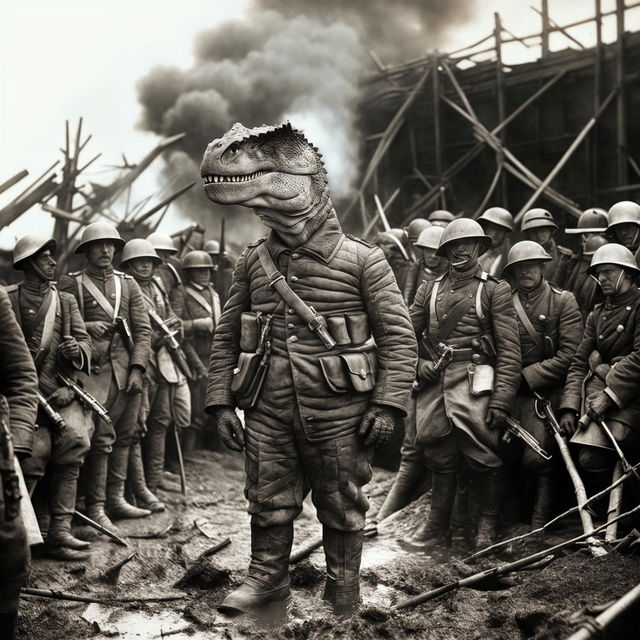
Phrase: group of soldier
x=111 y=366
x=501 y=328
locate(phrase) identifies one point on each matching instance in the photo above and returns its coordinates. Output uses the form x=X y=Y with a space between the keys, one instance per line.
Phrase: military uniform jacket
x=500 y=324
x=494 y=260
x=557 y=329
x=172 y=283
x=110 y=347
x=18 y=378
x=31 y=305
x=414 y=277
x=584 y=287
x=609 y=357
x=351 y=285
x=199 y=302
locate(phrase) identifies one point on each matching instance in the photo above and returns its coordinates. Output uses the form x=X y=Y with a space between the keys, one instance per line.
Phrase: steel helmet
x=197 y=260
x=139 y=248
x=536 y=218
x=463 y=229
x=593 y=244
x=499 y=216
x=430 y=238
x=415 y=228
x=591 y=221
x=441 y=217
x=526 y=251
x=613 y=253
x=30 y=246
x=211 y=247
x=161 y=242
x=99 y=231
x=624 y=212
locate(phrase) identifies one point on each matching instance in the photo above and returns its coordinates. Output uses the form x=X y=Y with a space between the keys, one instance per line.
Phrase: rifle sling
x=526 y=323
x=47 y=328
x=200 y=299
x=100 y=298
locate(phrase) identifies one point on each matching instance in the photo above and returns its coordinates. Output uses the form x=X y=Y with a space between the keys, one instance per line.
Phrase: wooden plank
x=7 y=184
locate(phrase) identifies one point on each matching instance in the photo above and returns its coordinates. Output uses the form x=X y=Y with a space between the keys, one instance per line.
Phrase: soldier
x=19 y=385
x=412 y=233
x=115 y=317
x=429 y=264
x=56 y=336
x=550 y=327
x=624 y=226
x=440 y=218
x=168 y=270
x=583 y=286
x=539 y=226
x=470 y=371
x=392 y=244
x=201 y=315
x=603 y=377
x=167 y=393
x=497 y=223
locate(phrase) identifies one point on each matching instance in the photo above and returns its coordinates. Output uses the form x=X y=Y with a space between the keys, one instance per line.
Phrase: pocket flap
x=360 y=371
x=334 y=374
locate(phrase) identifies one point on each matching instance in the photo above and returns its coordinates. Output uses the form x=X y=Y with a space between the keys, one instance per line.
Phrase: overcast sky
x=69 y=58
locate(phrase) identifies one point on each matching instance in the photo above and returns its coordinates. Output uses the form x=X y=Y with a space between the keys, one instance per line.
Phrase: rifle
x=515 y=429
x=122 y=327
x=52 y=414
x=85 y=398
x=183 y=475
x=10 y=481
x=177 y=354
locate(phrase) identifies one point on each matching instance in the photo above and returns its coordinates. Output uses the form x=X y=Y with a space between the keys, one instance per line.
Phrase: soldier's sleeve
x=79 y=332
x=68 y=284
x=18 y=378
x=553 y=371
x=391 y=328
x=623 y=380
x=507 y=341
x=572 y=396
x=176 y=299
x=418 y=314
x=226 y=341
x=140 y=327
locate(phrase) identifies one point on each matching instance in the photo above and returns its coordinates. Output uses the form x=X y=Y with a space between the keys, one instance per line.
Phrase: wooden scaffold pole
x=621 y=125
x=501 y=109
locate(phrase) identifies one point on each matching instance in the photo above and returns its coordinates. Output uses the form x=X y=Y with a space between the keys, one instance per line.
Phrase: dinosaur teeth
x=209 y=179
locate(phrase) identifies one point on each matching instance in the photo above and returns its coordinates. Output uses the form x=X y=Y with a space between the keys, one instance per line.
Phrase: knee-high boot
x=543 y=500
x=117 y=506
x=404 y=486
x=493 y=495
x=96 y=490
x=137 y=483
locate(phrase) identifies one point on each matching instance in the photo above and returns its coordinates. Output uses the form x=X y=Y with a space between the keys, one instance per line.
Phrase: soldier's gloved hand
x=229 y=428
x=427 y=371
x=377 y=425
x=135 y=381
x=598 y=406
x=62 y=397
x=204 y=325
x=70 y=348
x=97 y=329
x=497 y=418
x=199 y=372
x=568 y=423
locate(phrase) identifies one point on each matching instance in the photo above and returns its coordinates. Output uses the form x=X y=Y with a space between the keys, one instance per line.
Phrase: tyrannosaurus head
x=274 y=170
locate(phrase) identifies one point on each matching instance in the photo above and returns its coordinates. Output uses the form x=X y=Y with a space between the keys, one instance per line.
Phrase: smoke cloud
x=297 y=61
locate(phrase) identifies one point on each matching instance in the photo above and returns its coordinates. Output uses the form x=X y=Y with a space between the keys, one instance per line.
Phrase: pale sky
x=69 y=58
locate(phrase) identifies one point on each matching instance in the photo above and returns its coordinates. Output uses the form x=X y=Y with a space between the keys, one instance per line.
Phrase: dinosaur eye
x=234 y=147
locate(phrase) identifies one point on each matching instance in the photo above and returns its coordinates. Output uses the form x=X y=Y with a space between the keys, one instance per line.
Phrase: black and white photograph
x=320 y=319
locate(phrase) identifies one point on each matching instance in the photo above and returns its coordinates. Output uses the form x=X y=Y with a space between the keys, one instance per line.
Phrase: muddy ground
x=532 y=605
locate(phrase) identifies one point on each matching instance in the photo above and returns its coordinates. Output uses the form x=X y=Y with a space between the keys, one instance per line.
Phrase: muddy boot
x=96 y=490
x=543 y=501
x=8 y=625
x=153 y=456
x=404 y=486
x=267 y=581
x=64 y=484
x=342 y=550
x=141 y=493
x=435 y=532
x=117 y=506
x=493 y=496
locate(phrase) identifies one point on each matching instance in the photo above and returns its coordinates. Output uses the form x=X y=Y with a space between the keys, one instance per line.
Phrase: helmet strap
x=32 y=266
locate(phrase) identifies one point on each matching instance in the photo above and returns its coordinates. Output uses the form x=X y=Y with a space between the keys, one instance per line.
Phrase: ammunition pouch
x=249 y=331
x=481 y=378
x=351 y=371
x=246 y=378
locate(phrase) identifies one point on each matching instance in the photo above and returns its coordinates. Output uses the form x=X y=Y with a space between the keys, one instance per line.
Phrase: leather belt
x=463 y=354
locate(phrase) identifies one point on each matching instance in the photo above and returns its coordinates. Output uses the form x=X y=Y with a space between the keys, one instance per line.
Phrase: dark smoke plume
x=300 y=61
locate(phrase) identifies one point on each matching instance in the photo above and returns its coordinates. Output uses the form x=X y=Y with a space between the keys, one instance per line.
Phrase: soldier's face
x=495 y=232
x=612 y=279
x=45 y=264
x=585 y=236
x=164 y=254
x=541 y=235
x=142 y=267
x=528 y=274
x=100 y=254
x=462 y=253
x=430 y=259
x=626 y=233
x=199 y=276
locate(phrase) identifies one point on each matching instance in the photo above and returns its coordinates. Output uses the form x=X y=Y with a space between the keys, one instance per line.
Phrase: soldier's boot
x=267 y=581
x=64 y=484
x=8 y=625
x=136 y=479
x=96 y=490
x=404 y=485
x=435 y=531
x=153 y=455
x=342 y=550
x=493 y=495
x=117 y=506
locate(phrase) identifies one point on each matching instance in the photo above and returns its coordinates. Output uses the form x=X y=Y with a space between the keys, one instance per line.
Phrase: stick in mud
x=63 y=595
x=112 y=574
x=505 y=568
x=100 y=528
x=217 y=547
x=566 y=513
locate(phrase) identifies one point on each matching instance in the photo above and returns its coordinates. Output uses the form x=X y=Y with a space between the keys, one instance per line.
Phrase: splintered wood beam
x=562 y=30
x=168 y=200
x=7 y=184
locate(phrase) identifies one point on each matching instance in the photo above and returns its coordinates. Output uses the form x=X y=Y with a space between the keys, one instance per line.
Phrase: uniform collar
x=320 y=245
x=99 y=274
x=458 y=276
x=622 y=299
x=535 y=293
x=196 y=286
x=36 y=288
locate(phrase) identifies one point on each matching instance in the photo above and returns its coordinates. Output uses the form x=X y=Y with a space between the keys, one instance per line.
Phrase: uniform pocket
x=349 y=372
x=358 y=326
x=249 y=331
x=244 y=375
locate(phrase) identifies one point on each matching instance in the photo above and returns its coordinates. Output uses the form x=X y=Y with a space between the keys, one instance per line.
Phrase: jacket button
x=452 y=290
x=291 y=326
x=294 y=278
x=444 y=316
x=310 y=419
x=113 y=296
x=293 y=339
x=470 y=295
x=290 y=311
x=295 y=256
x=600 y=337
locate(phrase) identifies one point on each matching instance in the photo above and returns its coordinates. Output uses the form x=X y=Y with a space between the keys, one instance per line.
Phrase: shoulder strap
x=217 y=311
x=433 y=319
x=99 y=297
x=117 y=283
x=78 y=278
x=200 y=299
x=47 y=328
x=526 y=323
x=175 y=273
x=484 y=276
